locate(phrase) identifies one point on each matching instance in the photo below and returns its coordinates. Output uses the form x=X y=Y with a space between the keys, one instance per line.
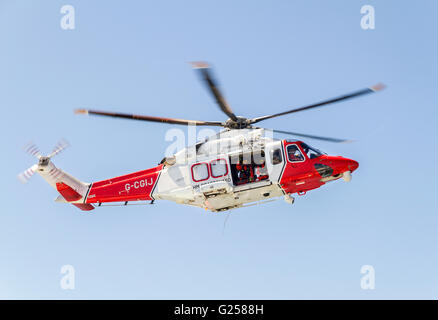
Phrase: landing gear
x=289 y=199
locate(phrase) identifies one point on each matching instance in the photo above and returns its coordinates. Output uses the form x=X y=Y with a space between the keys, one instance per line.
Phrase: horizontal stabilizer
x=84 y=206
x=60 y=199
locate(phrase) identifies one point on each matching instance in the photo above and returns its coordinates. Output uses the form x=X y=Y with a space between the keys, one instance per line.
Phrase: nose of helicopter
x=341 y=164
x=344 y=164
x=351 y=164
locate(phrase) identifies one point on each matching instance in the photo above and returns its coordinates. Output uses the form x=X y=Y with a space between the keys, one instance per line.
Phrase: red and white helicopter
x=239 y=166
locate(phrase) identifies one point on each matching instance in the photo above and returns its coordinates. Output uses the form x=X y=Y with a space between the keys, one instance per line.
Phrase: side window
x=294 y=154
x=276 y=156
x=200 y=172
x=219 y=168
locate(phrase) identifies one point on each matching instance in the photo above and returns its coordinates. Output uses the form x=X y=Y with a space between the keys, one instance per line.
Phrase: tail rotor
x=43 y=161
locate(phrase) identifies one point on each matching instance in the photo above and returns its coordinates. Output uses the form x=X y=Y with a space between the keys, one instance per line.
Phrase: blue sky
x=131 y=56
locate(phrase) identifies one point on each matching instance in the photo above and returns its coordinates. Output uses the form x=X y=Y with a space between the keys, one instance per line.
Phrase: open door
x=249 y=167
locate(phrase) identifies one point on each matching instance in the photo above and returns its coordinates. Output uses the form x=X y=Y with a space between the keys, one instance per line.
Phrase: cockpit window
x=294 y=154
x=312 y=153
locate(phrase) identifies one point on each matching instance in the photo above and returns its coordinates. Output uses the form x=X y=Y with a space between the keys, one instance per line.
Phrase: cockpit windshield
x=312 y=153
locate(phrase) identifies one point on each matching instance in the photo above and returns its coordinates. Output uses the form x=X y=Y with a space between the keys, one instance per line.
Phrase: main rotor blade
x=204 y=70
x=355 y=94
x=312 y=136
x=150 y=118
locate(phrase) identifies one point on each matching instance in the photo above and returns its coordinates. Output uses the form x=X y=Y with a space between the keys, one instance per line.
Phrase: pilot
x=294 y=154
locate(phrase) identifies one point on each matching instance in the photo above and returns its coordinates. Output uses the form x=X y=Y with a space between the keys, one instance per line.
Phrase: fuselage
x=216 y=183
x=231 y=171
x=234 y=169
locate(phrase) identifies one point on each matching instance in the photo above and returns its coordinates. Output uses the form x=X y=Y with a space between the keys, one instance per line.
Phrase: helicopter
x=242 y=165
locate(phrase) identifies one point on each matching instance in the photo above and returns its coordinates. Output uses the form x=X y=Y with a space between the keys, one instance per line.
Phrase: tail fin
x=71 y=189
x=69 y=194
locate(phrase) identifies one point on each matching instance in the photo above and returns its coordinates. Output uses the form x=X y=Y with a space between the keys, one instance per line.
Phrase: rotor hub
x=43 y=161
x=241 y=123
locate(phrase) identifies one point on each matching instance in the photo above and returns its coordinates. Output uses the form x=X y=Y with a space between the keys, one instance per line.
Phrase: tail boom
x=135 y=186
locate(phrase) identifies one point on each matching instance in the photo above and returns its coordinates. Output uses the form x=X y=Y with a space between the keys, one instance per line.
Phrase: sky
x=132 y=56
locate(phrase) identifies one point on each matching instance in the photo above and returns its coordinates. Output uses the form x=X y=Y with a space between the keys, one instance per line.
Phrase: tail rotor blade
x=59 y=147
x=27 y=174
x=32 y=149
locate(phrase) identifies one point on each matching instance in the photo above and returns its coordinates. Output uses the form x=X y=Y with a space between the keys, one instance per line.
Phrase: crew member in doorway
x=261 y=173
